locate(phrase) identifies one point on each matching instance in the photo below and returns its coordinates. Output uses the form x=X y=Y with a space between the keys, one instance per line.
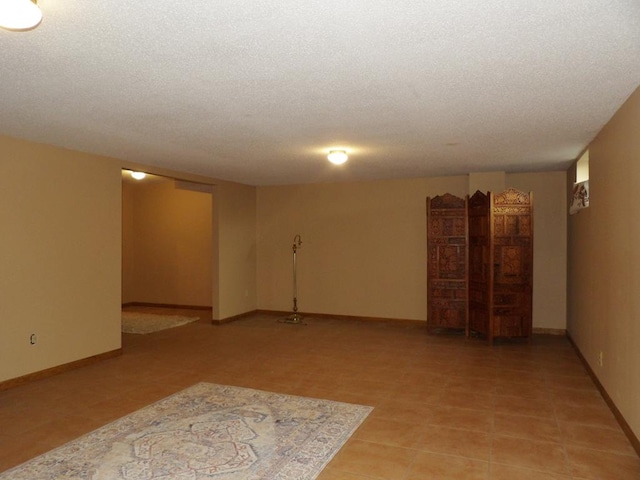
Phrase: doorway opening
x=167 y=246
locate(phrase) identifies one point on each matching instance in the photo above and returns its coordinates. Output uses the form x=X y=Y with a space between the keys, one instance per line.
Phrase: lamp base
x=294 y=318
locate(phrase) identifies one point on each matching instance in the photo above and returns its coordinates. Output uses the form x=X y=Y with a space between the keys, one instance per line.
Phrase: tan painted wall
x=234 y=250
x=604 y=262
x=60 y=248
x=128 y=235
x=167 y=238
x=363 y=251
x=364 y=246
x=487 y=181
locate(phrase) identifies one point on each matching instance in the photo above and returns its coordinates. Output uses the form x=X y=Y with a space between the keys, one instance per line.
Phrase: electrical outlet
x=33 y=339
x=601 y=358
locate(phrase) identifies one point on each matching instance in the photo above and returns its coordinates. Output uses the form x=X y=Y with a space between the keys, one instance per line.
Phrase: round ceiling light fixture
x=138 y=175
x=338 y=157
x=19 y=14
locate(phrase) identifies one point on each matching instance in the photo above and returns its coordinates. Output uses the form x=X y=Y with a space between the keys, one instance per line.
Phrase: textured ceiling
x=258 y=91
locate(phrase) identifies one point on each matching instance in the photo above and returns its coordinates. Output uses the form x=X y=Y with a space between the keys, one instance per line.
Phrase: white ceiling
x=258 y=91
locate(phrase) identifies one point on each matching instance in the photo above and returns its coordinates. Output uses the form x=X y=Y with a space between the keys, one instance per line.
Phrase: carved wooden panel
x=513 y=264
x=446 y=262
x=480 y=264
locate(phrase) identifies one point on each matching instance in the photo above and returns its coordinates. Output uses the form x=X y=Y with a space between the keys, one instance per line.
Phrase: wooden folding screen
x=447 y=262
x=497 y=234
x=480 y=264
x=512 y=213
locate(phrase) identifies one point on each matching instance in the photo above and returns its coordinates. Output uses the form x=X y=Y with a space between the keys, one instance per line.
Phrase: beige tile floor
x=446 y=407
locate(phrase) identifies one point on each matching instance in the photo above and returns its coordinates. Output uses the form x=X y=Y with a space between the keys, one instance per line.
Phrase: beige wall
x=128 y=235
x=604 y=262
x=167 y=244
x=234 y=250
x=60 y=248
x=364 y=246
x=487 y=181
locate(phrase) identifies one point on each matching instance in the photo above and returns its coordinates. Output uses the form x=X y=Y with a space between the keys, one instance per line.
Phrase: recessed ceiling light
x=338 y=157
x=19 y=14
x=138 y=175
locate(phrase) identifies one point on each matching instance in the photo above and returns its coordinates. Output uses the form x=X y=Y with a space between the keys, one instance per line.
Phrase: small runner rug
x=143 y=323
x=207 y=432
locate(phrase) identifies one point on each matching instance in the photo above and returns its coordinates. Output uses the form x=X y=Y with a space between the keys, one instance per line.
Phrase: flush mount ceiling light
x=19 y=14
x=138 y=175
x=338 y=157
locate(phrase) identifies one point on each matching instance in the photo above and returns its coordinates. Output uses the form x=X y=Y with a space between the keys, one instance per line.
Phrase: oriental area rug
x=207 y=431
x=143 y=323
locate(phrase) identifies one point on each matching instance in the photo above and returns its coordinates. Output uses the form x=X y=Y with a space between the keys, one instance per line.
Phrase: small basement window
x=580 y=197
x=582 y=168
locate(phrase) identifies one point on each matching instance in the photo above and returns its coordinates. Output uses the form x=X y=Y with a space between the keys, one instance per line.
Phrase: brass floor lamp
x=295 y=317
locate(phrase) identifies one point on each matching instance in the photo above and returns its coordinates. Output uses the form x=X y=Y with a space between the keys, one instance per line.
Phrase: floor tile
x=466 y=398
x=594 y=416
x=596 y=438
x=446 y=467
x=453 y=441
x=543 y=456
x=532 y=407
x=537 y=391
x=402 y=410
x=372 y=459
x=532 y=428
x=334 y=474
x=390 y=432
x=596 y=465
x=464 y=418
x=563 y=396
x=508 y=472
